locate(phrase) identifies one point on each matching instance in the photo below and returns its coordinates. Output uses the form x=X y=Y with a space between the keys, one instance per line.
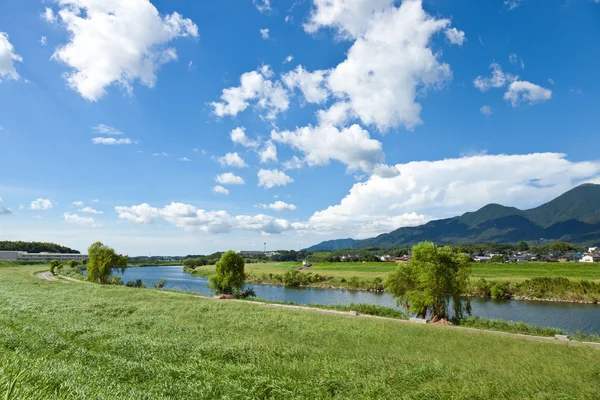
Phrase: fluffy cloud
x=49 y=15
x=220 y=190
x=109 y=141
x=523 y=91
x=269 y=178
x=116 y=42
x=254 y=86
x=184 y=159
x=7 y=59
x=390 y=61
x=351 y=146
x=90 y=210
x=229 y=178
x=238 y=135
x=427 y=189
x=77 y=204
x=277 y=206
x=498 y=79
x=76 y=219
x=191 y=219
x=293 y=163
x=455 y=36
x=485 y=110
x=3 y=209
x=44 y=40
x=262 y=5
x=106 y=130
x=264 y=33
x=512 y=4
x=268 y=153
x=232 y=160
x=41 y=204
x=311 y=84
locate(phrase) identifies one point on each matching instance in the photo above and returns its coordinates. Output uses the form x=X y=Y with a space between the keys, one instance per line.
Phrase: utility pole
x=265 y=248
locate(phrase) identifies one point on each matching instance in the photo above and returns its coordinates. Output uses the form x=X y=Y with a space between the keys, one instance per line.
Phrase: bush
x=54 y=265
x=136 y=284
x=116 y=280
x=246 y=293
x=481 y=288
x=501 y=290
x=354 y=282
x=159 y=284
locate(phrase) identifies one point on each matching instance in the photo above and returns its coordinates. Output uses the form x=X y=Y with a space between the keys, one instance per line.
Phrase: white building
x=24 y=256
x=590 y=258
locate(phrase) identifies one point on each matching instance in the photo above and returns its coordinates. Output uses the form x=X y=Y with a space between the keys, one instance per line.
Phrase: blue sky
x=178 y=127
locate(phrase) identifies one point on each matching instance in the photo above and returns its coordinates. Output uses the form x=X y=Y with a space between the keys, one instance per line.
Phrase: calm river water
x=567 y=316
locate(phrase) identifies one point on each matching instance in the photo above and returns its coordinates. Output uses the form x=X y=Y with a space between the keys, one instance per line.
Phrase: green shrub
x=500 y=290
x=159 y=284
x=116 y=280
x=481 y=288
x=354 y=282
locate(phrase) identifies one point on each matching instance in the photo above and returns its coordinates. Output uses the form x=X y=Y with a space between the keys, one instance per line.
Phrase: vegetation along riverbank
x=75 y=340
x=564 y=282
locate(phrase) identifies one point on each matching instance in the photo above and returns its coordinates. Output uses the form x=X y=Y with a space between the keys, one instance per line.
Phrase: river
x=571 y=317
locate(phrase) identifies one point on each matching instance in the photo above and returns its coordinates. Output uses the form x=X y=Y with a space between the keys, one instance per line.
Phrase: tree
x=54 y=264
x=73 y=263
x=435 y=278
x=84 y=261
x=562 y=246
x=523 y=246
x=102 y=260
x=229 y=277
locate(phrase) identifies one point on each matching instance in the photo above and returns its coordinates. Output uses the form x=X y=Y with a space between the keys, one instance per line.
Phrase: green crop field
x=75 y=340
x=370 y=270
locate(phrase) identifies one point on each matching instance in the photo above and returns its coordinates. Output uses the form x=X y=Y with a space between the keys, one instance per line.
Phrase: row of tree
x=35 y=247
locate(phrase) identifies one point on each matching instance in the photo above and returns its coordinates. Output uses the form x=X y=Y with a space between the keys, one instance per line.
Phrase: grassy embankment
x=501 y=280
x=77 y=341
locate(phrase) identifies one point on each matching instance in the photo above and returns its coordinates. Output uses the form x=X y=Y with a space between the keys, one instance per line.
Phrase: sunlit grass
x=88 y=341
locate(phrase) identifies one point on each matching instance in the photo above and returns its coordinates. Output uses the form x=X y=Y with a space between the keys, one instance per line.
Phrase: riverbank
x=551 y=289
x=66 y=338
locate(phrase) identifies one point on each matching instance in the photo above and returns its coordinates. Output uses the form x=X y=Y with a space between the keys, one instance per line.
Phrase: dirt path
x=47 y=276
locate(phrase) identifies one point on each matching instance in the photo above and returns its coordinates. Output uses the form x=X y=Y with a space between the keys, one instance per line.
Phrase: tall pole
x=265 y=248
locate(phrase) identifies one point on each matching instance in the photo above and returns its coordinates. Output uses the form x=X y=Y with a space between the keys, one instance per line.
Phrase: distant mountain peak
x=573 y=216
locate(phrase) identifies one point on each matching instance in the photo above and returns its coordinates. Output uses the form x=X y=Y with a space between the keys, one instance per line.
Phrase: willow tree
x=229 y=274
x=103 y=260
x=432 y=282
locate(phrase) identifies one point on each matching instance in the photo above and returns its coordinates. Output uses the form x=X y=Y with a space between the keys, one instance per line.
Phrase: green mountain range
x=573 y=217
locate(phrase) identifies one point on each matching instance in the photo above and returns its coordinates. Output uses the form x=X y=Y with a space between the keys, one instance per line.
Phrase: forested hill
x=573 y=217
x=35 y=247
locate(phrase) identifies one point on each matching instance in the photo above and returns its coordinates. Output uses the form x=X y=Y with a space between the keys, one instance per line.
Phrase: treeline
x=35 y=247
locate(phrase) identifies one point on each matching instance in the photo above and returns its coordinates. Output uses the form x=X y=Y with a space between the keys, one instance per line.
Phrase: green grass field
x=372 y=270
x=75 y=340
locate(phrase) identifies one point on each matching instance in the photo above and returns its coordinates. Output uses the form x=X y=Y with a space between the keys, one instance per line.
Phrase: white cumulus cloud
x=106 y=130
x=79 y=220
x=232 y=160
x=277 y=206
x=110 y=141
x=351 y=146
x=269 y=178
x=116 y=42
x=498 y=79
x=264 y=33
x=238 y=135
x=455 y=36
x=90 y=210
x=438 y=189
x=486 y=110
x=254 y=86
x=41 y=204
x=220 y=190
x=390 y=61
x=311 y=84
x=262 y=5
x=523 y=91
x=4 y=210
x=229 y=178
x=268 y=153
x=8 y=57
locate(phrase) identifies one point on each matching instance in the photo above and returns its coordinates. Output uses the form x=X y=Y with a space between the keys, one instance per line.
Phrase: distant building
x=24 y=256
x=590 y=258
x=252 y=253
